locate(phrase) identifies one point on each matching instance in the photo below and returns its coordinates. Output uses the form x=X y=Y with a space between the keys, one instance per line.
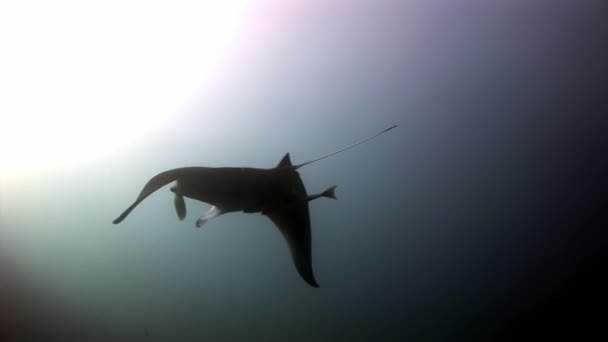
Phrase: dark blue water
x=479 y=217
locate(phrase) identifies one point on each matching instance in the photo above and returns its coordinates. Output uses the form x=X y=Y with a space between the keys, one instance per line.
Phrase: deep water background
x=481 y=216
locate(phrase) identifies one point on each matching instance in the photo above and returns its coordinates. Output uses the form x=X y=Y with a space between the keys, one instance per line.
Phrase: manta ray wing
x=293 y=221
x=154 y=184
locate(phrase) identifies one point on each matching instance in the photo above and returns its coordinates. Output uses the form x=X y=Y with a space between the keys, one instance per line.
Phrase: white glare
x=80 y=80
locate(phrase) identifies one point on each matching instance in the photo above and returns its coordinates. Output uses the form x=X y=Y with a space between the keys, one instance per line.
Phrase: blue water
x=460 y=223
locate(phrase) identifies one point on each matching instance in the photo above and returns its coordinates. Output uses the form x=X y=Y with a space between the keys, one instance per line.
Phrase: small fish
x=277 y=192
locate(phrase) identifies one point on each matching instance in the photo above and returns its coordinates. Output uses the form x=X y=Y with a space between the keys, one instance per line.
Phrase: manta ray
x=278 y=193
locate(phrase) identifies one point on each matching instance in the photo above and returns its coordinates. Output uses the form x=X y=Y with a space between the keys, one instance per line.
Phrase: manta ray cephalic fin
x=180 y=206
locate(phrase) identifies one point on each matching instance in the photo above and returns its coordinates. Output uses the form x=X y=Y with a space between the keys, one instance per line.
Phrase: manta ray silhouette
x=277 y=193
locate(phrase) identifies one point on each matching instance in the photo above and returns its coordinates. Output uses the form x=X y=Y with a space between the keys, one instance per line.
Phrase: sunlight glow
x=81 y=80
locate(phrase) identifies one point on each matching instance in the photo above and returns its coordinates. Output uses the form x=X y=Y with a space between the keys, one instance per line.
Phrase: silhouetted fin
x=285 y=162
x=329 y=193
x=294 y=223
x=180 y=206
x=211 y=213
x=154 y=184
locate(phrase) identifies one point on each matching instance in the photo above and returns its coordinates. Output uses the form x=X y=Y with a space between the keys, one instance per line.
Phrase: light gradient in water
x=478 y=218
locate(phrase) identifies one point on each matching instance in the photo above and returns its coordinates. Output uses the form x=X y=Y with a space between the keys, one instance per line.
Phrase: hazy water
x=476 y=217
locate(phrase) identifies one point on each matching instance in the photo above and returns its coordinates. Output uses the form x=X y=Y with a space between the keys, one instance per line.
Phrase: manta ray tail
x=295 y=167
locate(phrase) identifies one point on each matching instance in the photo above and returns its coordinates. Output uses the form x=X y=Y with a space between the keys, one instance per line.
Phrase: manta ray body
x=278 y=193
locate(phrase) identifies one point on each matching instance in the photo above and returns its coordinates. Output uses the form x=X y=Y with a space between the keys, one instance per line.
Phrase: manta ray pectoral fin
x=153 y=184
x=180 y=206
x=211 y=213
x=293 y=221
